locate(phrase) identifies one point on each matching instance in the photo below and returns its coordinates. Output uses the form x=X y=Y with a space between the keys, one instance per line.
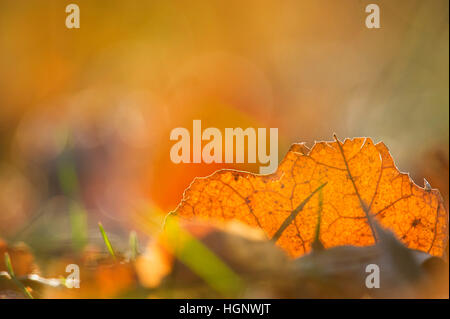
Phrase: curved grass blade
x=106 y=240
x=11 y=273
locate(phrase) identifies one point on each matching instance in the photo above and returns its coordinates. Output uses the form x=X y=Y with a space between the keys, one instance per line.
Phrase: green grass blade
x=202 y=261
x=317 y=244
x=78 y=224
x=107 y=242
x=11 y=273
x=9 y=265
x=134 y=245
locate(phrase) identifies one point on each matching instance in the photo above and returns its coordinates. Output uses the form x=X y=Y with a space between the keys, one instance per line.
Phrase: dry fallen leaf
x=339 y=272
x=194 y=259
x=355 y=177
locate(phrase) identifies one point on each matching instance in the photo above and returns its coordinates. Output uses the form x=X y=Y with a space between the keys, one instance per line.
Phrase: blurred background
x=85 y=114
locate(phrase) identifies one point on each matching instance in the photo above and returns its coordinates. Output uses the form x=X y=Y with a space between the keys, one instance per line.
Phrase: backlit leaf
x=356 y=177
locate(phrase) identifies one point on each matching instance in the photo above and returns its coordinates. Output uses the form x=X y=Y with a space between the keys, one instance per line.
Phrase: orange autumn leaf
x=355 y=177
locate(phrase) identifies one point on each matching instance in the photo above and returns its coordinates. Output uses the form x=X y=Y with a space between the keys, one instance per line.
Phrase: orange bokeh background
x=86 y=114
